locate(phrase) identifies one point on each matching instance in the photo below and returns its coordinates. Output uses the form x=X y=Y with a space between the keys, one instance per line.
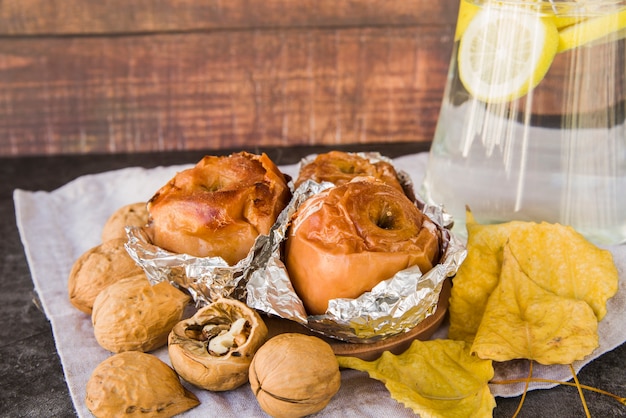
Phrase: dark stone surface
x=31 y=378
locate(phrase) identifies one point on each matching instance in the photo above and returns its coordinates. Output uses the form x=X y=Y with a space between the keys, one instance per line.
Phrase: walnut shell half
x=294 y=375
x=214 y=348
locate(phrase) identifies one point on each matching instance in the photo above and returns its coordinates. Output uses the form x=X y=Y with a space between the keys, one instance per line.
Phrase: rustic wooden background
x=112 y=76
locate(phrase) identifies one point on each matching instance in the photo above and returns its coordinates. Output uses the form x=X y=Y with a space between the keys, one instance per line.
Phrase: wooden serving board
x=371 y=351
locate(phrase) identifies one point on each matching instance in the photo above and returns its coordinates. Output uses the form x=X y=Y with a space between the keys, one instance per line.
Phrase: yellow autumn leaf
x=478 y=276
x=437 y=378
x=524 y=321
x=556 y=257
x=562 y=261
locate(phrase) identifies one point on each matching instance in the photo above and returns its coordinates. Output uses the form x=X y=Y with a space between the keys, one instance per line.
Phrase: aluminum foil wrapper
x=394 y=306
x=261 y=280
x=205 y=278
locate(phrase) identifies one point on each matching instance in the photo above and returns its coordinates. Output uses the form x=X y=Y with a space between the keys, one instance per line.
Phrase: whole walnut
x=135 y=384
x=214 y=348
x=134 y=214
x=98 y=268
x=133 y=314
x=294 y=375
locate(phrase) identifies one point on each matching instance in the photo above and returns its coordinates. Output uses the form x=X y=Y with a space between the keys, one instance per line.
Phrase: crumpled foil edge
x=205 y=278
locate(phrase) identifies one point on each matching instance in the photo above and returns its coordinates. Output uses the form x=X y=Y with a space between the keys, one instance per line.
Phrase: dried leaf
x=437 y=378
x=555 y=257
x=562 y=261
x=478 y=276
x=522 y=320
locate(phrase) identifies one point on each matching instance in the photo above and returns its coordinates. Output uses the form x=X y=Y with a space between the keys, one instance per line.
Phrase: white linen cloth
x=57 y=227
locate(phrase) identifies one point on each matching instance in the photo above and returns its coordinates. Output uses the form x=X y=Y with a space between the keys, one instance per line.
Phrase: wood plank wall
x=112 y=76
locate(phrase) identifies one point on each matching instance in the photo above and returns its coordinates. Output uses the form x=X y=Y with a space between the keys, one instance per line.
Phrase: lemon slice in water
x=467 y=11
x=608 y=27
x=505 y=52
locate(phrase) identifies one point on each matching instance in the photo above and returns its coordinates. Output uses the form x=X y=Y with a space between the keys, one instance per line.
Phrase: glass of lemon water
x=532 y=124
